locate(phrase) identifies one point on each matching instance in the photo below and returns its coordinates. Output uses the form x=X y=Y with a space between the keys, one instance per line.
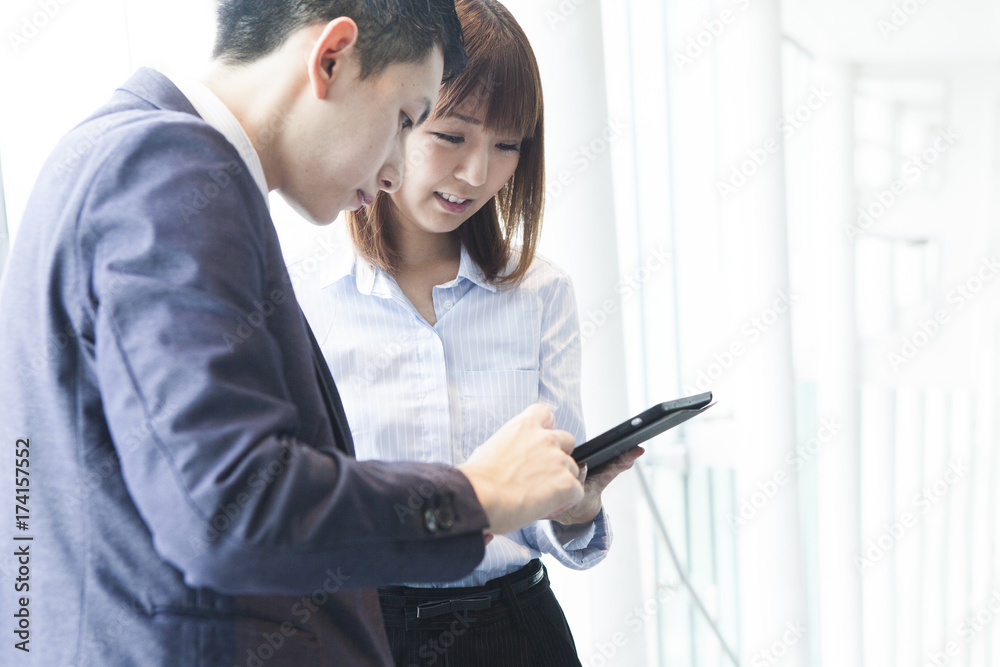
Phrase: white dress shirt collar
x=374 y=281
x=214 y=112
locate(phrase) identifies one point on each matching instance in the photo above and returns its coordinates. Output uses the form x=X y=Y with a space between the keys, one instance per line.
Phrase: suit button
x=445 y=517
x=431 y=520
x=440 y=518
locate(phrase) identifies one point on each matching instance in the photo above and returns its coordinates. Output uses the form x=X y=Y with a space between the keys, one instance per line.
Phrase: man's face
x=340 y=151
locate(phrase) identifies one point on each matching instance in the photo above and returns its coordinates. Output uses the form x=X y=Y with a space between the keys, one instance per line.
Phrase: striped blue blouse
x=416 y=392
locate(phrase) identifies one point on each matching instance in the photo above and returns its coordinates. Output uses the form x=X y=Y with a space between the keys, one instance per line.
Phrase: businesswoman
x=444 y=325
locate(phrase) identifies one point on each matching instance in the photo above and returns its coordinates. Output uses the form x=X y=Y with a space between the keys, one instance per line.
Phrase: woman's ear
x=335 y=49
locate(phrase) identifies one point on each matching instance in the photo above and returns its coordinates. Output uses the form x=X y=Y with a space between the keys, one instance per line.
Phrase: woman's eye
x=450 y=138
x=510 y=148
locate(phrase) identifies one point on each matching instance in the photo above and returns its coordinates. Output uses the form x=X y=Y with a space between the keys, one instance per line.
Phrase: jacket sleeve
x=174 y=243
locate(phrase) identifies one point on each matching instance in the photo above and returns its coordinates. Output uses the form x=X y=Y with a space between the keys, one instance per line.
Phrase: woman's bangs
x=507 y=81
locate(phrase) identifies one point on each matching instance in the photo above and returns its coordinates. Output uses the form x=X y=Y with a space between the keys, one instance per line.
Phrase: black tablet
x=654 y=421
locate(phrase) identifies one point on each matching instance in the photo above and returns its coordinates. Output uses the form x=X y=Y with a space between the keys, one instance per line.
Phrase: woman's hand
x=593 y=486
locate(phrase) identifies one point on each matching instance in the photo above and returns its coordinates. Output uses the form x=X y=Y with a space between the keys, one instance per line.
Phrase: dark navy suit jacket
x=193 y=500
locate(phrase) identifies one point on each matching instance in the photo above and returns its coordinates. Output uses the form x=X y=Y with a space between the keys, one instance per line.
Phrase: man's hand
x=593 y=486
x=524 y=472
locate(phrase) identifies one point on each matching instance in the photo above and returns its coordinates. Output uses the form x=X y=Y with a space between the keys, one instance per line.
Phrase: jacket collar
x=158 y=90
x=194 y=98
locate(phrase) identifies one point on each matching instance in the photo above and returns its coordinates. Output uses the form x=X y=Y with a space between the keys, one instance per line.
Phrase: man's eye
x=407 y=121
x=450 y=138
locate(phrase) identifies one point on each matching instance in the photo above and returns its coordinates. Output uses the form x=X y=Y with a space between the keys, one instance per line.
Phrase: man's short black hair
x=389 y=31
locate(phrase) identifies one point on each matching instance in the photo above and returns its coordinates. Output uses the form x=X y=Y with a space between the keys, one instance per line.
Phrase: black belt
x=424 y=603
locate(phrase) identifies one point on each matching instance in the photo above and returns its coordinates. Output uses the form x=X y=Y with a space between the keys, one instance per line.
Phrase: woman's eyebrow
x=467 y=119
x=476 y=121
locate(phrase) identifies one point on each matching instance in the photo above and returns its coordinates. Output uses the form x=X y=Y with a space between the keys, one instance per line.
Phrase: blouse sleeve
x=560 y=365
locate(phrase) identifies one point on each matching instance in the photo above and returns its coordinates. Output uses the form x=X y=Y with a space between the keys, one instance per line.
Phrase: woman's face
x=453 y=168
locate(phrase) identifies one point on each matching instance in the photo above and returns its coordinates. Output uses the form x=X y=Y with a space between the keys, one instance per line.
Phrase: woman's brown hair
x=502 y=72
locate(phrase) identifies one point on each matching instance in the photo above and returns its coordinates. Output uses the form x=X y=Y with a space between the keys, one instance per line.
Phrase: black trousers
x=512 y=621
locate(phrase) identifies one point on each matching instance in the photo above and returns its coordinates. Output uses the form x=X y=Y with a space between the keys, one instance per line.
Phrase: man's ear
x=331 y=53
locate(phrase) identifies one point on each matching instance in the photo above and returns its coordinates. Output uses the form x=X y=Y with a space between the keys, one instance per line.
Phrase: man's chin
x=316 y=217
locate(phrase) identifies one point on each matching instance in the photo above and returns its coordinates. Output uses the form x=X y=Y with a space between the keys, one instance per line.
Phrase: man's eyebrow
x=426 y=114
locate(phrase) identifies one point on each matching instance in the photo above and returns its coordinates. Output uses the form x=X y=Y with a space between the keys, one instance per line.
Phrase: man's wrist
x=483 y=489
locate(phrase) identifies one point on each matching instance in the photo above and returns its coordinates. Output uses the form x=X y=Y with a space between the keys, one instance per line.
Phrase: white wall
x=55 y=70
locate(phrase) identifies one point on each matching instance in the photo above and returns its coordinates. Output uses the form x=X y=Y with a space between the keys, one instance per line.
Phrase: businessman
x=185 y=491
